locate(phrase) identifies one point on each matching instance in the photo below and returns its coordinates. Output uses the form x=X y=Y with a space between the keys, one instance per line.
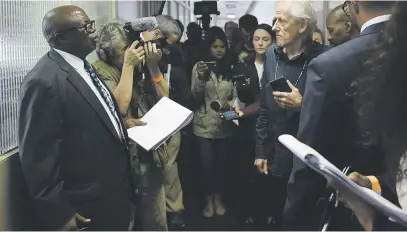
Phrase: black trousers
x=214 y=154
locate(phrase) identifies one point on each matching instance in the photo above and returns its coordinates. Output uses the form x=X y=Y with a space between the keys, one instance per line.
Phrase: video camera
x=206 y=8
x=143 y=30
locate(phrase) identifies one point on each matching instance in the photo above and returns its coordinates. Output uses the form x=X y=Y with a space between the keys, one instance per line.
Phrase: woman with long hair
x=211 y=82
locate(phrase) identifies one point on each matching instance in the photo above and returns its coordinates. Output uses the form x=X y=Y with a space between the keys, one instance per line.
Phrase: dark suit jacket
x=328 y=123
x=72 y=158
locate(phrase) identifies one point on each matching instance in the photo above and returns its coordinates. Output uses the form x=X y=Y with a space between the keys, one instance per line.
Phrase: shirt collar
x=306 y=52
x=73 y=60
x=375 y=20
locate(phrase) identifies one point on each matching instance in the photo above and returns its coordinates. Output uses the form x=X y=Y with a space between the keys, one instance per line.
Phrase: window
x=21 y=45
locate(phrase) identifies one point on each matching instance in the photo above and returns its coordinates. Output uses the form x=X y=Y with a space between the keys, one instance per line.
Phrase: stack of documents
x=318 y=163
x=163 y=120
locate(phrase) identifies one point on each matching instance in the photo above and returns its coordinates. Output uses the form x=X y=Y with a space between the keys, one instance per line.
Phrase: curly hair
x=381 y=96
x=109 y=35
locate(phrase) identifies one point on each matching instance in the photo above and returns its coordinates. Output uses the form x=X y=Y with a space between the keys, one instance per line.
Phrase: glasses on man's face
x=89 y=28
x=345 y=8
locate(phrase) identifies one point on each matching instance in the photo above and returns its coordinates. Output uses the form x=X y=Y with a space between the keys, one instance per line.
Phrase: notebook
x=163 y=120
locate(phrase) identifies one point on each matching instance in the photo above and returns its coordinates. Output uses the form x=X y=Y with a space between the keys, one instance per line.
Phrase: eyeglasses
x=89 y=28
x=345 y=8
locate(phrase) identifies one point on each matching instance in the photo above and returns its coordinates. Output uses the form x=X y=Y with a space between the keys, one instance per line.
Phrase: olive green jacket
x=165 y=155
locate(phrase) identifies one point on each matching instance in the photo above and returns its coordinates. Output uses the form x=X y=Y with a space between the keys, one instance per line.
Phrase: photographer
x=211 y=82
x=142 y=89
x=247 y=75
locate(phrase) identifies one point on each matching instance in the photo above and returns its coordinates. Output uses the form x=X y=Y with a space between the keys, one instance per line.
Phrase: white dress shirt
x=375 y=20
x=78 y=65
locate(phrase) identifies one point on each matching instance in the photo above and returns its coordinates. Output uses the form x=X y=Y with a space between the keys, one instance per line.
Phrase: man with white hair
x=280 y=109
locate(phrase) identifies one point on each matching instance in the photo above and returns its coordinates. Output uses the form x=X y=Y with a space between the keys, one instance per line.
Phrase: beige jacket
x=207 y=123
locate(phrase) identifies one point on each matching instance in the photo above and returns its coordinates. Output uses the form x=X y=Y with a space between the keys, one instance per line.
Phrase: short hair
x=109 y=35
x=55 y=19
x=377 y=5
x=248 y=22
x=235 y=25
x=194 y=31
x=301 y=10
x=338 y=10
x=168 y=26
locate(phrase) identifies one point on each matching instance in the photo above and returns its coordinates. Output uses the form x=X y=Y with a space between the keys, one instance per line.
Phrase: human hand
x=202 y=69
x=289 y=100
x=261 y=165
x=153 y=55
x=71 y=224
x=132 y=122
x=133 y=56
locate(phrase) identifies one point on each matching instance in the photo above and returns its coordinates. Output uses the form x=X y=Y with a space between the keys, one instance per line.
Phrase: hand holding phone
x=230 y=115
x=201 y=69
x=280 y=85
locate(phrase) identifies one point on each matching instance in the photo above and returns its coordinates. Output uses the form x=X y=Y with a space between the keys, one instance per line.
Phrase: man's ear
x=60 y=39
x=348 y=26
x=303 y=25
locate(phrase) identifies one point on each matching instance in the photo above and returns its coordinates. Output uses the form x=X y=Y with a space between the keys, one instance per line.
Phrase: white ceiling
x=235 y=8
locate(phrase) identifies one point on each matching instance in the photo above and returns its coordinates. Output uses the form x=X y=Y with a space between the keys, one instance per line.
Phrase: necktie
x=106 y=97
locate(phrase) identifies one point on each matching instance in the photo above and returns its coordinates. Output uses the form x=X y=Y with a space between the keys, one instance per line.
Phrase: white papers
x=163 y=120
x=318 y=163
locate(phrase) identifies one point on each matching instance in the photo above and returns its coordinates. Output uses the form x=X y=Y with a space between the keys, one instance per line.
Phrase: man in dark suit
x=73 y=144
x=328 y=118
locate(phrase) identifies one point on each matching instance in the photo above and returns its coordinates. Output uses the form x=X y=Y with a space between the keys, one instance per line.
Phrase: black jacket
x=72 y=158
x=248 y=91
x=273 y=120
x=180 y=90
x=329 y=125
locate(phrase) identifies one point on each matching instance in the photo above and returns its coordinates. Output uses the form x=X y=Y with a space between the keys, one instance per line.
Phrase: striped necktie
x=106 y=97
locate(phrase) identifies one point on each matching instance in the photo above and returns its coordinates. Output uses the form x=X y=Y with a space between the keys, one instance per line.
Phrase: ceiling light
x=231 y=16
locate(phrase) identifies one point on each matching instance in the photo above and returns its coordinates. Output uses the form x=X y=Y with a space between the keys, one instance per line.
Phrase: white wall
x=264 y=11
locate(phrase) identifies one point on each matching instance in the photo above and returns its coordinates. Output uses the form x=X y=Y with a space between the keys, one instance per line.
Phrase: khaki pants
x=159 y=192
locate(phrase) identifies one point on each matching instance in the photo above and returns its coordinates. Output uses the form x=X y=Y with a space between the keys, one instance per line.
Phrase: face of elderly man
x=287 y=28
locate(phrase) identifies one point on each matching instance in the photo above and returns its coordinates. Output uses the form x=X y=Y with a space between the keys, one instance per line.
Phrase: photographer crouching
x=132 y=73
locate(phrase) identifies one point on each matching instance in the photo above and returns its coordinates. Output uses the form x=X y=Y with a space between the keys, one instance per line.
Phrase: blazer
x=72 y=158
x=328 y=123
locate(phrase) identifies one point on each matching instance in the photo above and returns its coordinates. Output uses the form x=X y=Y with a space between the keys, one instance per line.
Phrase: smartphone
x=210 y=64
x=229 y=115
x=280 y=85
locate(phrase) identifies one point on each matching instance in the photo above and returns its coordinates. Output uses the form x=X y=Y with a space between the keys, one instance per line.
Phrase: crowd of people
x=346 y=100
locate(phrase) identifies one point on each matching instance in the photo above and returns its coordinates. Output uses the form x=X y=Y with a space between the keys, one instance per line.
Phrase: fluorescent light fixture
x=231 y=16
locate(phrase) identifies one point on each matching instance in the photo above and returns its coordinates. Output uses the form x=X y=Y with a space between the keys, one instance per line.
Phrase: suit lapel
x=375 y=28
x=77 y=81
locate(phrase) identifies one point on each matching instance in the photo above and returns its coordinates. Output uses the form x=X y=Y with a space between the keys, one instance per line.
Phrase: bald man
x=340 y=27
x=73 y=144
